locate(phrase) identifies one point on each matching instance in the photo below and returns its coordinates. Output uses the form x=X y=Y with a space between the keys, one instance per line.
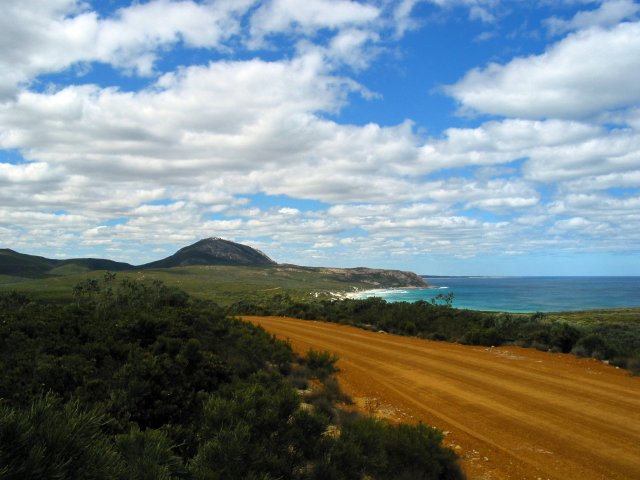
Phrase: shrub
x=148 y=455
x=322 y=364
x=55 y=441
x=373 y=448
x=488 y=337
x=592 y=345
x=564 y=337
x=633 y=364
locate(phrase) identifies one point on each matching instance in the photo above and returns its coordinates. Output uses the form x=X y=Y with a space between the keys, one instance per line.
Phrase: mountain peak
x=213 y=251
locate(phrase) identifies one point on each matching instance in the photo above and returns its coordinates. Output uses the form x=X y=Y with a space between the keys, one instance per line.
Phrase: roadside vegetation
x=617 y=342
x=138 y=380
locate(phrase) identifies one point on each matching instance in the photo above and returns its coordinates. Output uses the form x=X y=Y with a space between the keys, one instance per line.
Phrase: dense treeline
x=438 y=320
x=138 y=381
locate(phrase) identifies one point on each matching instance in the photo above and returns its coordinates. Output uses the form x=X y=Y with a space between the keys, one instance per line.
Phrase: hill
x=227 y=284
x=15 y=266
x=213 y=251
x=213 y=269
x=368 y=278
x=21 y=265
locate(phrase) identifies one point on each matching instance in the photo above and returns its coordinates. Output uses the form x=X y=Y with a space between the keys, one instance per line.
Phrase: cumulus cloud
x=626 y=179
x=405 y=20
x=500 y=142
x=39 y=37
x=608 y=14
x=178 y=159
x=166 y=126
x=132 y=38
x=583 y=75
x=200 y=123
x=309 y=16
x=614 y=152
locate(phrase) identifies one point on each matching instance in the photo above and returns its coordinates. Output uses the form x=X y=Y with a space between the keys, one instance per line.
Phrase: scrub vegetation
x=222 y=284
x=138 y=380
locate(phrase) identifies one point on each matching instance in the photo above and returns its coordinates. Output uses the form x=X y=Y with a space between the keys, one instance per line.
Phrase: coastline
x=519 y=295
x=378 y=292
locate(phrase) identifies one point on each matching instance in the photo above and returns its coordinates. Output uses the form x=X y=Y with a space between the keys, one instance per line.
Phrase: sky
x=445 y=137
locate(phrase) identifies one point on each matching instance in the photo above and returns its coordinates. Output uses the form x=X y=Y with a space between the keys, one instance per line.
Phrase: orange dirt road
x=510 y=413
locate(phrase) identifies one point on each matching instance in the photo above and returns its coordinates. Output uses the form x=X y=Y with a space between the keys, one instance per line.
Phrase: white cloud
x=269 y=139
x=36 y=172
x=353 y=47
x=550 y=151
x=146 y=132
x=402 y=16
x=627 y=179
x=598 y=206
x=614 y=152
x=176 y=161
x=131 y=39
x=309 y=16
x=608 y=14
x=574 y=223
x=405 y=19
x=499 y=142
x=39 y=37
x=495 y=195
x=584 y=74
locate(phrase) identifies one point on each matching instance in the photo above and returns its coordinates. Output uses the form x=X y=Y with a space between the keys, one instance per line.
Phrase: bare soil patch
x=509 y=412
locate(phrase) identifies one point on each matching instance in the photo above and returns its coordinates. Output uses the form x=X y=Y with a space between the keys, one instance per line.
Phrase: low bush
x=321 y=363
x=633 y=364
x=52 y=440
x=371 y=448
x=139 y=382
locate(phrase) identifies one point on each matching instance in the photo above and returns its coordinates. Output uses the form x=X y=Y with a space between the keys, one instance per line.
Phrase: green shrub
x=371 y=448
x=564 y=337
x=322 y=364
x=171 y=388
x=148 y=455
x=489 y=337
x=51 y=440
x=633 y=364
x=593 y=345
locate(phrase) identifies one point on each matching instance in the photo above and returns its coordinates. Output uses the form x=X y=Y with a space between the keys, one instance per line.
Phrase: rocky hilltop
x=213 y=251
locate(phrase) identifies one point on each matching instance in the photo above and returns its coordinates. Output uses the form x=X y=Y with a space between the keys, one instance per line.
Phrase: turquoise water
x=525 y=294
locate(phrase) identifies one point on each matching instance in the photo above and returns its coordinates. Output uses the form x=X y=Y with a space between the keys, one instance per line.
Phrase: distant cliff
x=373 y=277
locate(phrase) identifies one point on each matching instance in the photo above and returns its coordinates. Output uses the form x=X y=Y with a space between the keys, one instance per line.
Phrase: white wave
x=377 y=292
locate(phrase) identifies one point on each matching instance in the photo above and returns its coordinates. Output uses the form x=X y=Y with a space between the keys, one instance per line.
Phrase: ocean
x=524 y=294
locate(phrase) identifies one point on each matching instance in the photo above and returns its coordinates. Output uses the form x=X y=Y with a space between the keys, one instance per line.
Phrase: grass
x=11 y=279
x=68 y=269
x=611 y=315
x=222 y=284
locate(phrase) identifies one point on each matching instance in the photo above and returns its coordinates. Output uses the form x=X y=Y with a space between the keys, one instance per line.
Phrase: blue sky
x=446 y=137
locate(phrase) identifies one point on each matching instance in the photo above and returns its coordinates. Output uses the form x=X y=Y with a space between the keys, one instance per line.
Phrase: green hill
x=212 y=268
x=213 y=251
x=23 y=266
x=227 y=284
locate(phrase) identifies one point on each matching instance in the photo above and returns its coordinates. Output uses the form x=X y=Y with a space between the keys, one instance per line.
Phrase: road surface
x=509 y=412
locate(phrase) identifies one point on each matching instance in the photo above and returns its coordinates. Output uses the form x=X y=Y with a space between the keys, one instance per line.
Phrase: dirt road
x=510 y=413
